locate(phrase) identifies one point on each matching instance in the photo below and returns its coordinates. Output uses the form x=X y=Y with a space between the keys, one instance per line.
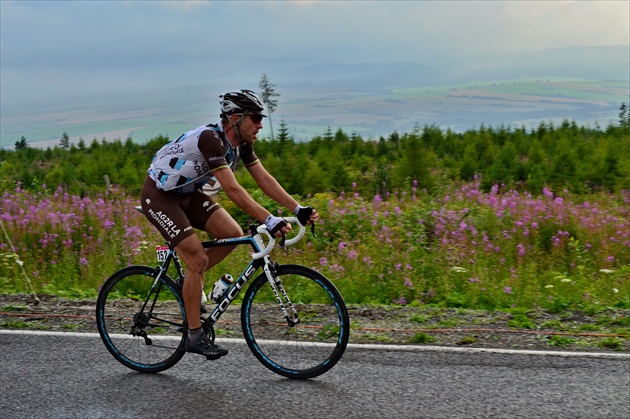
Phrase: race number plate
x=162 y=252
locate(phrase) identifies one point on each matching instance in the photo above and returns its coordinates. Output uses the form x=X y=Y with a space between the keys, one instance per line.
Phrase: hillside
x=584 y=84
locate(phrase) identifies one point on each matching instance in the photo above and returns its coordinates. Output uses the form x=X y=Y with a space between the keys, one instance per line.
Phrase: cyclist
x=177 y=197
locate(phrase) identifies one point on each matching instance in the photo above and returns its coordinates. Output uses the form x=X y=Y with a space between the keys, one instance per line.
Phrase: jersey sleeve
x=213 y=150
x=247 y=155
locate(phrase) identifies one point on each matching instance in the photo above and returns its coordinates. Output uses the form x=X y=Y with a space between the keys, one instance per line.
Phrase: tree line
x=558 y=156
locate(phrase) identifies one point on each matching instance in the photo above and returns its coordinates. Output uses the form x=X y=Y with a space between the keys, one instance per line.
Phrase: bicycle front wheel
x=314 y=337
x=141 y=320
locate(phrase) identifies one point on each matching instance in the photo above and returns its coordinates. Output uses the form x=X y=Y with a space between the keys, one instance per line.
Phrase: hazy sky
x=58 y=56
x=71 y=48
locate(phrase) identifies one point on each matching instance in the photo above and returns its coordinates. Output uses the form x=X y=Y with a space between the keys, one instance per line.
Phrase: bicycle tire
x=309 y=348
x=146 y=340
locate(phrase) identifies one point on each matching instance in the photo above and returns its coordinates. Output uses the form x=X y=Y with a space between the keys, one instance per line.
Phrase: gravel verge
x=606 y=331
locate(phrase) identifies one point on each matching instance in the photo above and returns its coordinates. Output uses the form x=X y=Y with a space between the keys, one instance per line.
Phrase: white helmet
x=240 y=102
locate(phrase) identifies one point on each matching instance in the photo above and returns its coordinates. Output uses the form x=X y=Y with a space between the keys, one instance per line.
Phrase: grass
x=422 y=337
x=449 y=323
x=521 y=322
x=12 y=308
x=554 y=324
x=611 y=343
x=588 y=328
x=418 y=319
x=561 y=341
x=23 y=325
x=467 y=340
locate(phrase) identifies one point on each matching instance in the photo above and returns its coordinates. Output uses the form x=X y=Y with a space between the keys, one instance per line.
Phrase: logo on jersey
x=169 y=227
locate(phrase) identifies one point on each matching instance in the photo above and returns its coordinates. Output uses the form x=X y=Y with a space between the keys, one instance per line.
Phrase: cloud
x=47 y=32
x=91 y=43
x=549 y=24
x=485 y=26
x=185 y=5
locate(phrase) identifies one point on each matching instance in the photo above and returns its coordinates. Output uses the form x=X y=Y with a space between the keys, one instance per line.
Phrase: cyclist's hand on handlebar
x=306 y=215
x=277 y=226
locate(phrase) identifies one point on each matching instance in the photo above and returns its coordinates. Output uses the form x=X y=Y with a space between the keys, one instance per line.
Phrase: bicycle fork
x=275 y=282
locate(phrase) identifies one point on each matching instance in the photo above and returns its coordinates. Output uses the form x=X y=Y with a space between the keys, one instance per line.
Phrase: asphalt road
x=69 y=375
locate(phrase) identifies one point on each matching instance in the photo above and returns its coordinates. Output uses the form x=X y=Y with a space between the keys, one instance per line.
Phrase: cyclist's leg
x=222 y=226
x=205 y=214
x=194 y=256
x=192 y=253
x=165 y=210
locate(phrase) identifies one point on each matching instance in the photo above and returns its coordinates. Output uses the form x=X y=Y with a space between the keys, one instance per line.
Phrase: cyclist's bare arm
x=239 y=195
x=270 y=186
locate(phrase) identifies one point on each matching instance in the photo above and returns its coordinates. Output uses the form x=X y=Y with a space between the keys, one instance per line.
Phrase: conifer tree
x=283 y=134
x=65 y=141
x=624 y=115
x=267 y=94
x=22 y=144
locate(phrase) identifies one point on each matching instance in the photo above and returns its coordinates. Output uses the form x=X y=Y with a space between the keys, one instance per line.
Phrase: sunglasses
x=256 y=118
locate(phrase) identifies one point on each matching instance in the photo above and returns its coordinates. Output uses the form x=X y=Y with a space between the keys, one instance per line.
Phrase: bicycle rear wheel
x=141 y=320
x=317 y=340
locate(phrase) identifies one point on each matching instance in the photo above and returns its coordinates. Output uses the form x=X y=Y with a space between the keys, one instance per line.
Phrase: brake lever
x=282 y=243
x=313 y=230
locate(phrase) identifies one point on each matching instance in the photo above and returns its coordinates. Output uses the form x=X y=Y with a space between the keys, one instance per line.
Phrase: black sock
x=194 y=333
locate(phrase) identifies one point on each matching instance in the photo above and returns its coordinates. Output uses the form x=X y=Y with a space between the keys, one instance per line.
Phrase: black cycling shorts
x=175 y=214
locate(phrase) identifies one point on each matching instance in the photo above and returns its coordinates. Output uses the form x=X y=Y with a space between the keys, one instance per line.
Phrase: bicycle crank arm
x=292 y=322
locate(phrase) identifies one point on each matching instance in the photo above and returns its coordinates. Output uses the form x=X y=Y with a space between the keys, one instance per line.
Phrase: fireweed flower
x=338 y=268
x=518 y=222
x=402 y=301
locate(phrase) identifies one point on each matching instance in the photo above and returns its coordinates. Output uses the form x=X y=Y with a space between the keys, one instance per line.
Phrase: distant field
x=523 y=102
x=570 y=88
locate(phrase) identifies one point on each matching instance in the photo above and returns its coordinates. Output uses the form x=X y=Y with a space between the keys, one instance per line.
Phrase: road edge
x=372 y=346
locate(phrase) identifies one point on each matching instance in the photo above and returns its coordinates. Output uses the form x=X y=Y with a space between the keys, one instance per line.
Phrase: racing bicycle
x=293 y=318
